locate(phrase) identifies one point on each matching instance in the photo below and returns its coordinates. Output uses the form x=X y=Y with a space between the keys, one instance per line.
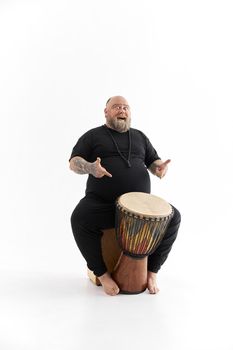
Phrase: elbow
x=71 y=165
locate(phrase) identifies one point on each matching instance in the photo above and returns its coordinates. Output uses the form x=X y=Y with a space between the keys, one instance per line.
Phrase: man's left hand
x=161 y=168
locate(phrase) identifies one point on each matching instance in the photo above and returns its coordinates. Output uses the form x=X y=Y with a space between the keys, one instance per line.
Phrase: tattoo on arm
x=81 y=166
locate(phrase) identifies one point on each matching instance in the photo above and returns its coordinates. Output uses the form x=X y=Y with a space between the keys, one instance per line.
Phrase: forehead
x=117 y=100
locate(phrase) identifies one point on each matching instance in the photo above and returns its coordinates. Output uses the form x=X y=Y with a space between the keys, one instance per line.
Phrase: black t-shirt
x=98 y=142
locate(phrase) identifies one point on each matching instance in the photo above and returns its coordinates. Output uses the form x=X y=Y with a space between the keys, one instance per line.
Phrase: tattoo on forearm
x=81 y=166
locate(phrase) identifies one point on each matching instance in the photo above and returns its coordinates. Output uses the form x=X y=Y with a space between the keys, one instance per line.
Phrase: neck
x=112 y=128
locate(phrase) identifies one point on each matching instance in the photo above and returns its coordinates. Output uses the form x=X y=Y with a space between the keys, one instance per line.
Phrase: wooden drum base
x=131 y=274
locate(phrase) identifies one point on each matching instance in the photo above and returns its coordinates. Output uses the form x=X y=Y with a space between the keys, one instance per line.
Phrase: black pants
x=92 y=215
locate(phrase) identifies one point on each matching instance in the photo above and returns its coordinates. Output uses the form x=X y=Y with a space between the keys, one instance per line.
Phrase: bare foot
x=110 y=286
x=151 y=283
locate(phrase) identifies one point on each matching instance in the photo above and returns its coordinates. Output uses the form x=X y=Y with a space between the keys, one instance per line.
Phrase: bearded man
x=116 y=158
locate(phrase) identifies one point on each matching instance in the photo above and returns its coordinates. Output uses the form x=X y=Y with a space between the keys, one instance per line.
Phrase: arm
x=81 y=166
x=159 y=168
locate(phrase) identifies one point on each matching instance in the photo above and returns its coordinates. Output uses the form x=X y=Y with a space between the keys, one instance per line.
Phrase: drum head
x=145 y=204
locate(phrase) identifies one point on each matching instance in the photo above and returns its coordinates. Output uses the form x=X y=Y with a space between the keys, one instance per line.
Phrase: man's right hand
x=97 y=170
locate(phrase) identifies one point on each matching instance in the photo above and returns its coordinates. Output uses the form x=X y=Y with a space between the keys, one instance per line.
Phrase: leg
x=88 y=218
x=151 y=282
x=156 y=259
x=109 y=285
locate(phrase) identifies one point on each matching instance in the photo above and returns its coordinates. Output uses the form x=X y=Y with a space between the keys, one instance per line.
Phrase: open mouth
x=121 y=118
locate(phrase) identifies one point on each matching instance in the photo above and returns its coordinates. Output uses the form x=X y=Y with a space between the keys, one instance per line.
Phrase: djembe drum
x=141 y=222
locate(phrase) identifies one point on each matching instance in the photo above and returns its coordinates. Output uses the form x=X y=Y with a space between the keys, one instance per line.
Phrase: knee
x=73 y=218
x=76 y=218
x=176 y=215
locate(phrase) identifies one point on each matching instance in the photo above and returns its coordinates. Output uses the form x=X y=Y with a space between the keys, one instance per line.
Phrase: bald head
x=117 y=99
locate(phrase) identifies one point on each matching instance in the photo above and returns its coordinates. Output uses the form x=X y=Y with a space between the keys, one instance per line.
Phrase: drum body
x=141 y=222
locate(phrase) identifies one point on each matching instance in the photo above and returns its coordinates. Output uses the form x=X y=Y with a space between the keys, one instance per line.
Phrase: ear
x=105 y=111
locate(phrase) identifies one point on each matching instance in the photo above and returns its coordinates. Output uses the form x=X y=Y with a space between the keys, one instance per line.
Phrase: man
x=116 y=158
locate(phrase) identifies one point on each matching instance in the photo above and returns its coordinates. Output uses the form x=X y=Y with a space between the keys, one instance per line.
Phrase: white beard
x=119 y=125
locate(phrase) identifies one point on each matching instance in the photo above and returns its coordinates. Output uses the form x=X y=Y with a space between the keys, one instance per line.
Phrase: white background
x=60 y=61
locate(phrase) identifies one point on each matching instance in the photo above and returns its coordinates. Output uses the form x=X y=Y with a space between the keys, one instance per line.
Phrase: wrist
x=158 y=162
x=89 y=168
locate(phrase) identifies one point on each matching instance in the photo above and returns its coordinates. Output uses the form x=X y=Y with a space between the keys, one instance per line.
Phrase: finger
x=164 y=164
x=98 y=160
x=159 y=174
x=107 y=173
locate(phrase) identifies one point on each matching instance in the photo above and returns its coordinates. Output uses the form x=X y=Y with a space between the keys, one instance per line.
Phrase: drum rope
x=139 y=236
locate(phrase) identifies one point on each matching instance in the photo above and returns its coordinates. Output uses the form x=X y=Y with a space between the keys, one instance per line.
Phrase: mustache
x=122 y=115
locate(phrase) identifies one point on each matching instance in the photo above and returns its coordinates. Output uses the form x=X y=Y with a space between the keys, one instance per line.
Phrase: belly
x=124 y=179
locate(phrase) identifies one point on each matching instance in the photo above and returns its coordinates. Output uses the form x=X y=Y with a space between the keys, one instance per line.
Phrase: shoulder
x=92 y=132
x=142 y=138
x=138 y=133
